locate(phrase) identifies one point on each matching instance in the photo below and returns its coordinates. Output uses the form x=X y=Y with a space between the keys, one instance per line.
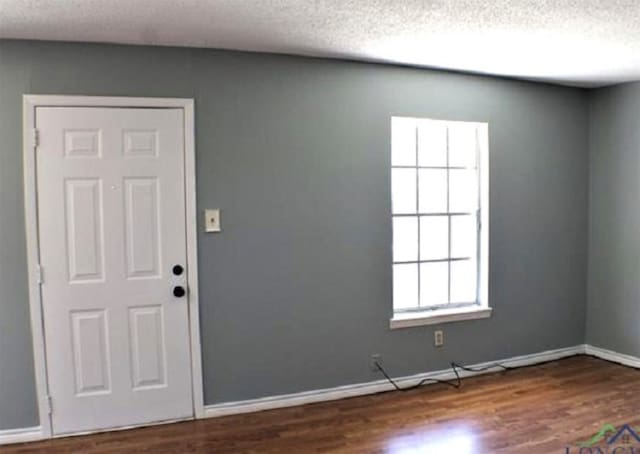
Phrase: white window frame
x=457 y=312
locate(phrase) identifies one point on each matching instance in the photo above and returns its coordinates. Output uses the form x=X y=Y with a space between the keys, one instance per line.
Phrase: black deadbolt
x=179 y=291
x=178 y=270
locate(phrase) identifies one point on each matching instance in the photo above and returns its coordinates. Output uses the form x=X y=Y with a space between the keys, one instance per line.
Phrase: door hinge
x=36 y=138
x=49 y=405
x=39 y=275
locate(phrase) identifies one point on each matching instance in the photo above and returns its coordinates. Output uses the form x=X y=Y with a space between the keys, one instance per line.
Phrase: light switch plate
x=212 y=220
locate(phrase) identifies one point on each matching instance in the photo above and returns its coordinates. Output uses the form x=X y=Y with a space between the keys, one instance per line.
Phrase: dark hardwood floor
x=538 y=409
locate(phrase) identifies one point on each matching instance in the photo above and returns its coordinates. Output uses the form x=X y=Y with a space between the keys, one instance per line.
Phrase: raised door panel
x=84 y=225
x=140 y=143
x=91 y=359
x=148 y=352
x=142 y=227
x=83 y=143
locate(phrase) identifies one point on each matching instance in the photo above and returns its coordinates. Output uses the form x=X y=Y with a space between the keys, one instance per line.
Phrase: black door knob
x=179 y=291
x=178 y=270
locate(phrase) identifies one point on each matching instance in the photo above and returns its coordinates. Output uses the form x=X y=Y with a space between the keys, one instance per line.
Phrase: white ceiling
x=574 y=42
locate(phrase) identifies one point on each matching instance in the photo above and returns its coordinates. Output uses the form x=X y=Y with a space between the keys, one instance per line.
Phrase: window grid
x=449 y=260
x=478 y=217
x=452 y=259
x=417 y=210
x=448 y=223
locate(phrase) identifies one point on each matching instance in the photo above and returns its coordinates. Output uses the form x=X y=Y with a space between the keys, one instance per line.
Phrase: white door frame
x=30 y=103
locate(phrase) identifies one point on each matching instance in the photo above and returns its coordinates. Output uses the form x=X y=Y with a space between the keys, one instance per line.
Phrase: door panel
x=111 y=215
x=142 y=220
x=85 y=242
x=91 y=359
x=148 y=353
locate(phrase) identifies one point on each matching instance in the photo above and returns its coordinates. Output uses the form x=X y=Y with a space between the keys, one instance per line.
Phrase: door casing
x=30 y=103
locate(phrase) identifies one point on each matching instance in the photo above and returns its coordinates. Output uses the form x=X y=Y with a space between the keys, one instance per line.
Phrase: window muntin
x=439 y=191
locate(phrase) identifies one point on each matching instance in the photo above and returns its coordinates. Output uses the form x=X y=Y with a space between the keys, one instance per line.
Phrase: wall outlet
x=375 y=358
x=438 y=338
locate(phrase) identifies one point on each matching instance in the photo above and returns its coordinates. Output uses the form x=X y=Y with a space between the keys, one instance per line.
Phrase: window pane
x=405 y=239
x=432 y=144
x=464 y=236
x=462 y=145
x=405 y=286
x=403 y=142
x=434 y=237
x=463 y=190
x=434 y=283
x=463 y=281
x=403 y=191
x=433 y=191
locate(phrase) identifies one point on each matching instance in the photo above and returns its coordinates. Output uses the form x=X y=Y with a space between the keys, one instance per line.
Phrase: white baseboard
x=612 y=356
x=361 y=389
x=21 y=435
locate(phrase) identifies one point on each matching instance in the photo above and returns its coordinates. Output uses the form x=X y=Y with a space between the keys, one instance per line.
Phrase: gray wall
x=613 y=320
x=296 y=292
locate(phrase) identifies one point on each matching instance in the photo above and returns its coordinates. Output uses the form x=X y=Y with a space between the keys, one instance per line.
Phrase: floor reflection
x=459 y=439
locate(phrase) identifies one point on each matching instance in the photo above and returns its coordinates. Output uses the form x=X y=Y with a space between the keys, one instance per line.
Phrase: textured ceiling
x=586 y=43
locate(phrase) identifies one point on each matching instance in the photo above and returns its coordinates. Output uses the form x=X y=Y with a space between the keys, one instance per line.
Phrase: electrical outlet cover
x=375 y=358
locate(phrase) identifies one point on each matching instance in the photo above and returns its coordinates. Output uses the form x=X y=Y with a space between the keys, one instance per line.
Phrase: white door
x=111 y=217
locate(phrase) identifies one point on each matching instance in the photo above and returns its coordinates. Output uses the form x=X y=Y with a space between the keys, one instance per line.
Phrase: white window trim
x=481 y=310
x=437 y=316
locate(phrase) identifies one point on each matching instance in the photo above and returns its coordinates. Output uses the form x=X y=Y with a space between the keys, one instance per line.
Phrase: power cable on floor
x=454 y=384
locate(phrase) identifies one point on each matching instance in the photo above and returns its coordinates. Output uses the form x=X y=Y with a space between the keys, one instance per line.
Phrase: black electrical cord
x=455 y=365
x=454 y=384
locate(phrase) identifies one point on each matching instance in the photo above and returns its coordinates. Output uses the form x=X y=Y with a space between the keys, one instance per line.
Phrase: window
x=439 y=192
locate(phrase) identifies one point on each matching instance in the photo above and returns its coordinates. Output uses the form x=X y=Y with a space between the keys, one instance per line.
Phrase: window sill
x=409 y=319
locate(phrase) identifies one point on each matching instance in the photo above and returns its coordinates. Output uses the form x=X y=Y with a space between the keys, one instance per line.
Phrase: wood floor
x=538 y=409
